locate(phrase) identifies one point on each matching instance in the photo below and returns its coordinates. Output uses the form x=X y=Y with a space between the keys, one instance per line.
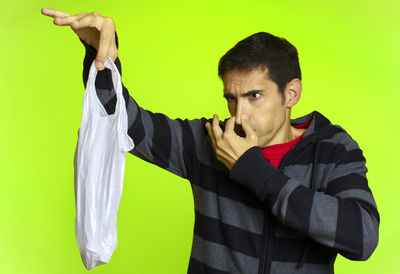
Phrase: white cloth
x=99 y=165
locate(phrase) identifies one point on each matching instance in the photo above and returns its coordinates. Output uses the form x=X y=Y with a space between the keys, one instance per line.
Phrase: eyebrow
x=248 y=93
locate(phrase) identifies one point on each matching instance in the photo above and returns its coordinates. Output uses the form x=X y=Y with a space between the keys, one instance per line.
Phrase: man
x=272 y=194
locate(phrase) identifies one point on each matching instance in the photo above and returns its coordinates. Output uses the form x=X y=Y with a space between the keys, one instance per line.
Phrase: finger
x=107 y=34
x=230 y=124
x=217 y=131
x=67 y=20
x=210 y=133
x=54 y=13
x=247 y=128
x=84 y=20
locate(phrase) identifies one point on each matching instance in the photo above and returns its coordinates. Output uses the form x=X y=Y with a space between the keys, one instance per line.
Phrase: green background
x=169 y=50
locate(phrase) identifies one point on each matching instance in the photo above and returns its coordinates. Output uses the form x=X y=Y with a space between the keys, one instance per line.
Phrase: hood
x=319 y=128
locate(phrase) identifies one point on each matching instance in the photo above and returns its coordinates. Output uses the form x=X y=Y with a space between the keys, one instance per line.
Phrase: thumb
x=247 y=128
x=99 y=62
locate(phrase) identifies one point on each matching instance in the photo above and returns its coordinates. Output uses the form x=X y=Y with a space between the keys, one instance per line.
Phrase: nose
x=239 y=112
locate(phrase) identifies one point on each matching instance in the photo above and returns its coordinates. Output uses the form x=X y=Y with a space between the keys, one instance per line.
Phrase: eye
x=230 y=98
x=255 y=96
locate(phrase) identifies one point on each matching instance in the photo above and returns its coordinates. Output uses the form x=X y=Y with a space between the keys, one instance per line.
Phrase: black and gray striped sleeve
x=342 y=216
x=165 y=142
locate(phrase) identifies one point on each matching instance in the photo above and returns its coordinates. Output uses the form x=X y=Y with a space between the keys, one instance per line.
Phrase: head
x=262 y=80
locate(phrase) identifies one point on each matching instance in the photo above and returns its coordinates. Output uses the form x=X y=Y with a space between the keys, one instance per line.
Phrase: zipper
x=265 y=247
x=265 y=262
x=265 y=266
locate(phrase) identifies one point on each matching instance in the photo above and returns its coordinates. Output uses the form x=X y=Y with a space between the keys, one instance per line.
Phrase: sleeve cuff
x=255 y=172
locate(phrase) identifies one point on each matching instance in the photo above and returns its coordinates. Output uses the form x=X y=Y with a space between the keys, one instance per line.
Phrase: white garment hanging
x=99 y=165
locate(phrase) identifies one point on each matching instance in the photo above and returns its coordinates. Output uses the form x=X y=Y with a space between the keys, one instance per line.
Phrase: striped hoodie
x=256 y=218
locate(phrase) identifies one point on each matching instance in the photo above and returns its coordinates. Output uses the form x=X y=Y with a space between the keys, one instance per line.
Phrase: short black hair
x=263 y=50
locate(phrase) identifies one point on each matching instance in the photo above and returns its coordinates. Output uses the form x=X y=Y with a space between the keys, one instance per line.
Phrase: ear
x=293 y=92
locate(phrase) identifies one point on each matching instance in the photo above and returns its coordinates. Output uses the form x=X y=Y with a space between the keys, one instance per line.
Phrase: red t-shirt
x=275 y=153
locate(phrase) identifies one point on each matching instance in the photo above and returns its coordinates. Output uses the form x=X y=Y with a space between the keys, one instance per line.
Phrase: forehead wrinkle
x=246 y=92
x=236 y=88
x=241 y=83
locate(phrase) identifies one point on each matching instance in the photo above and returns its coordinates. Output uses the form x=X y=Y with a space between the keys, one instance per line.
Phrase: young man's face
x=252 y=93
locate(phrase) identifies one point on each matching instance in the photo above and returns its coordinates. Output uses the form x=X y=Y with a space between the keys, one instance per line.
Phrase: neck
x=286 y=133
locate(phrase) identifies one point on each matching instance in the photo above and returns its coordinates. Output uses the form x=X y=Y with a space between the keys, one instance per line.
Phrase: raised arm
x=171 y=144
x=158 y=139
